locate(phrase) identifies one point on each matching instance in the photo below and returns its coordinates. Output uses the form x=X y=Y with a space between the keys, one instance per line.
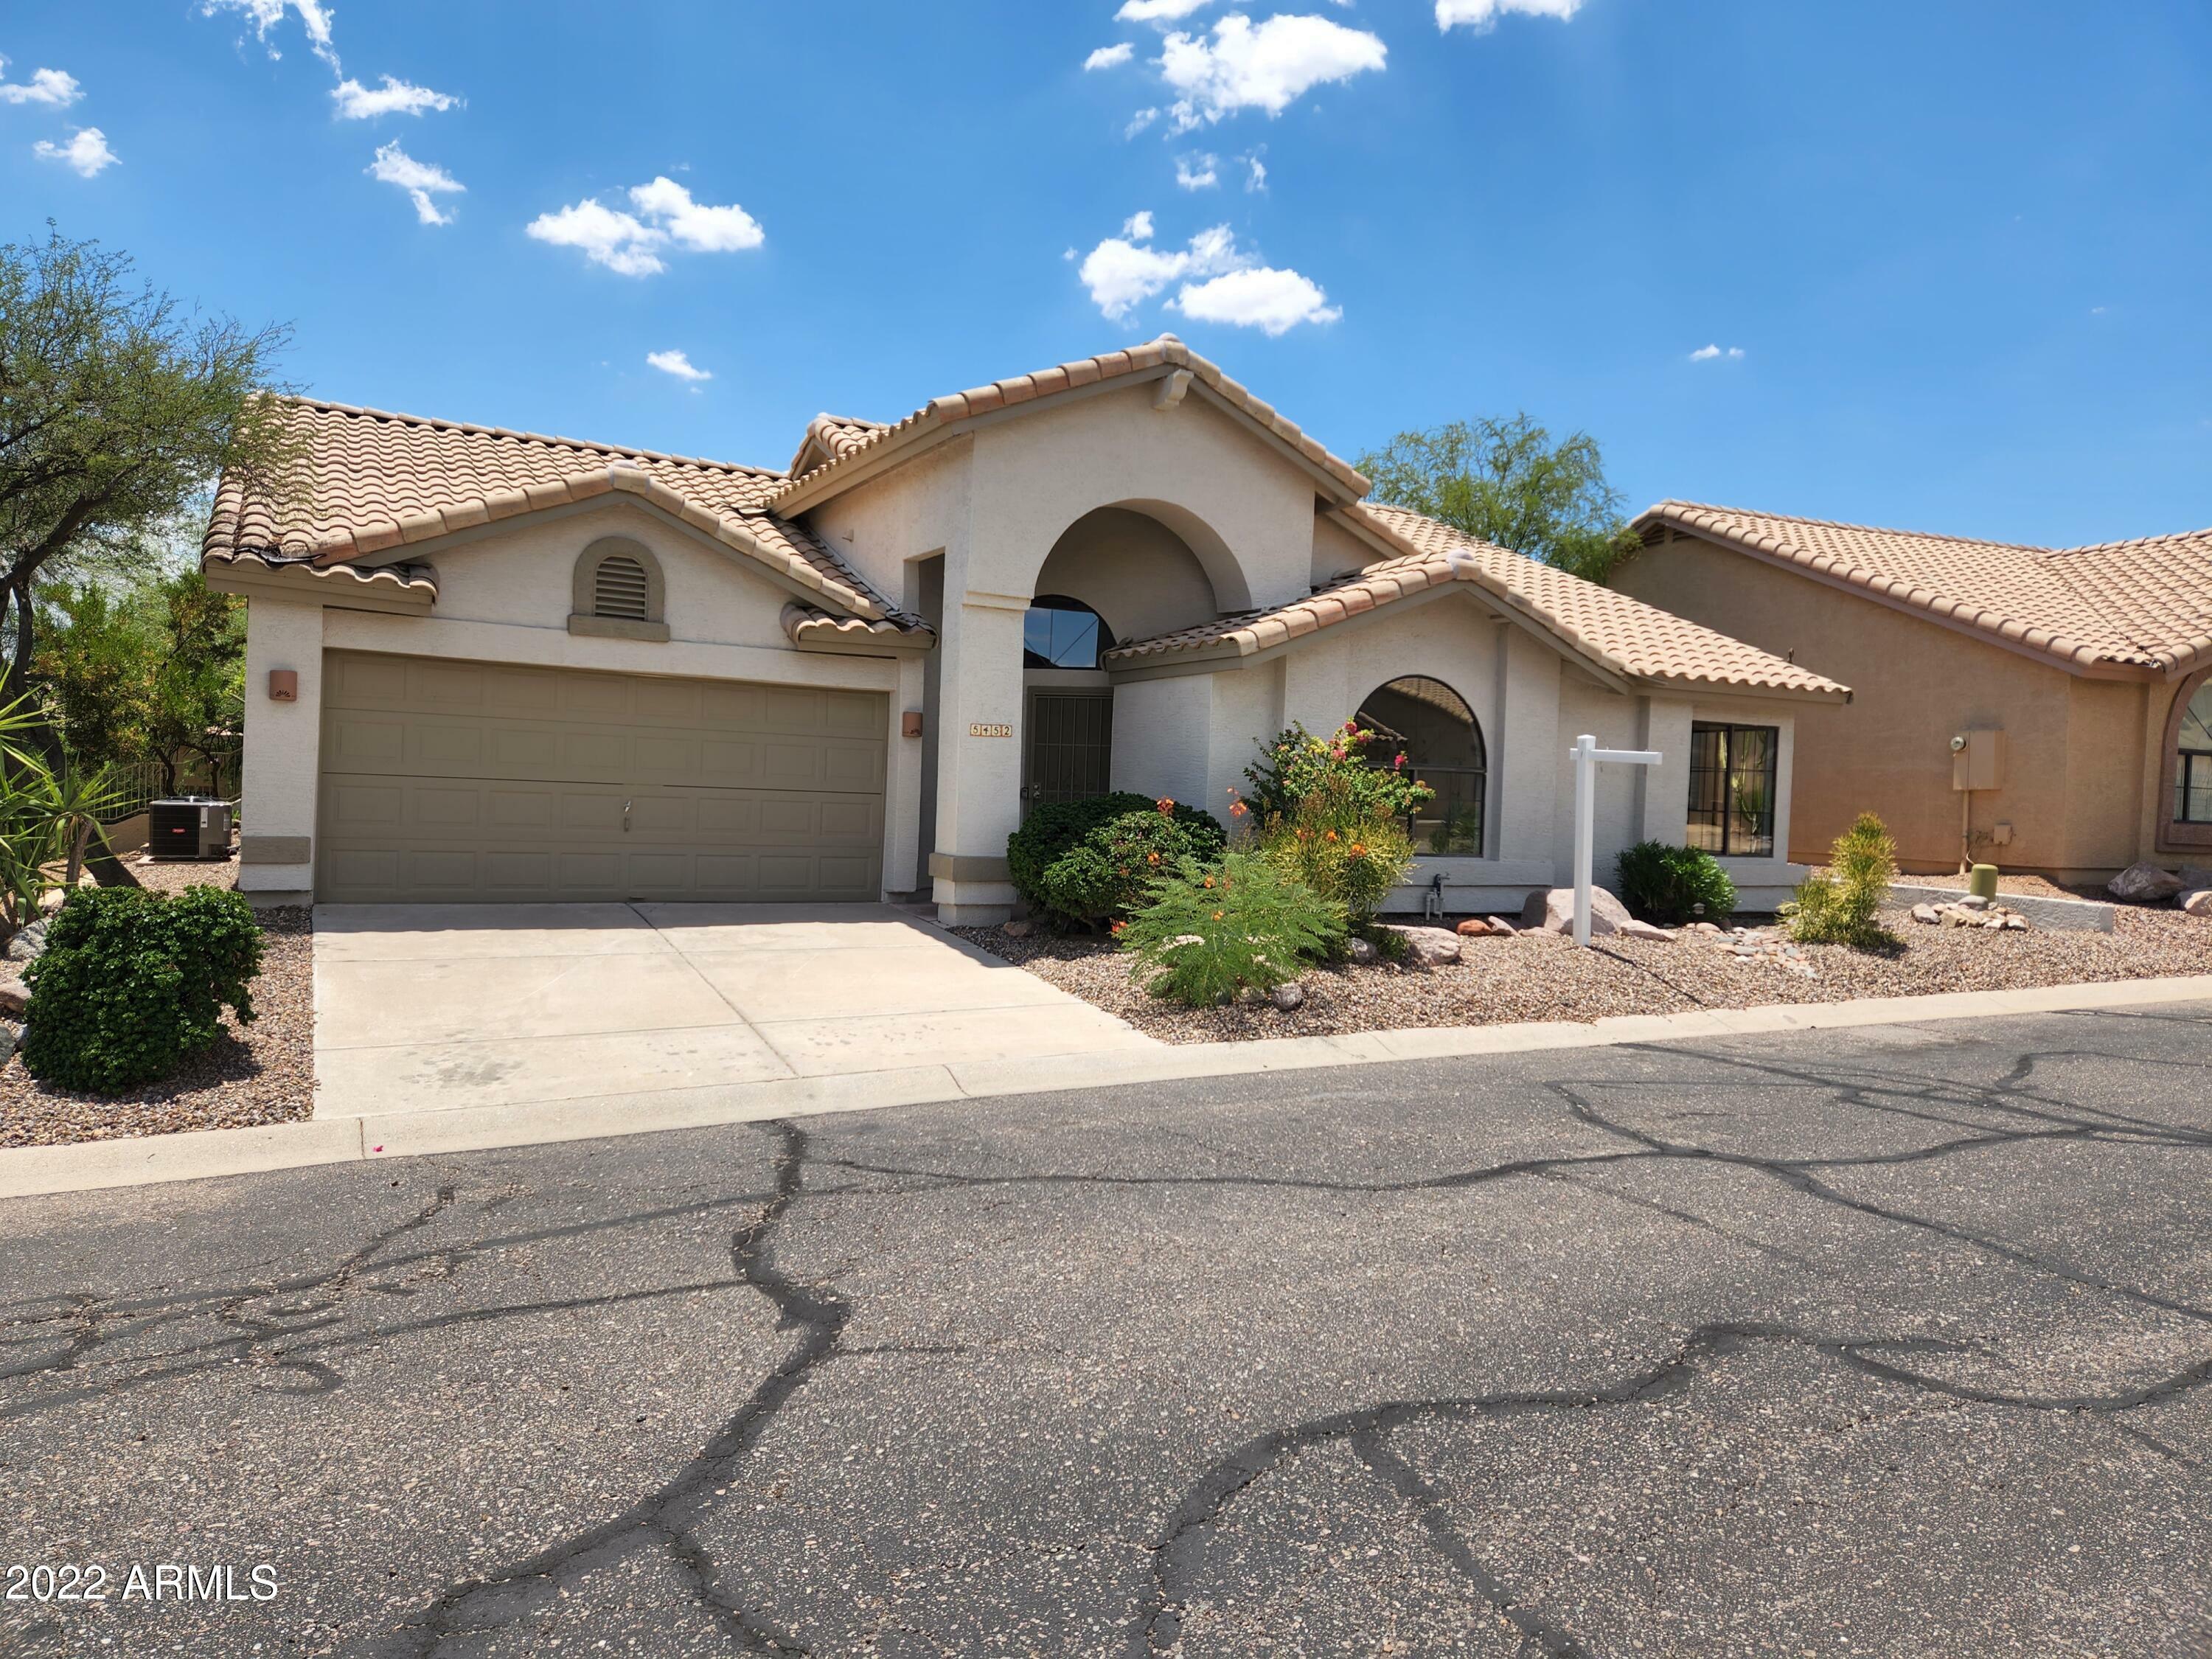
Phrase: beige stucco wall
x=1133 y=571
x=506 y=597
x=2072 y=790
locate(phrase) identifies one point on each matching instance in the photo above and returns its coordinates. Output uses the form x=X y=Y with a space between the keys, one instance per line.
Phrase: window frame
x=1036 y=662
x=584 y=593
x=1427 y=769
x=2177 y=833
x=1731 y=774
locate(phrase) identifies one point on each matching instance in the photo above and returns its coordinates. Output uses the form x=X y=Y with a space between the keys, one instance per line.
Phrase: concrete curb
x=29 y=1171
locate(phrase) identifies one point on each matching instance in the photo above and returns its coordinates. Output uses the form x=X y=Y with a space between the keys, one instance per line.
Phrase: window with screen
x=2193 y=760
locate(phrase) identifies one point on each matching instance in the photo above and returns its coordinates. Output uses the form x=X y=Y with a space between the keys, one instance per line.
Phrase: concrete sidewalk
x=988 y=1069
x=458 y=1008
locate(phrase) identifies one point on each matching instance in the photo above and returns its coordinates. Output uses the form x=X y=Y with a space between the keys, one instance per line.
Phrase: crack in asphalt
x=669 y=1515
x=278 y=1326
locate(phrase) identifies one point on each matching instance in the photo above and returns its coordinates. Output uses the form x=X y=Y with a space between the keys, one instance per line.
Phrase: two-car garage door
x=459 y=780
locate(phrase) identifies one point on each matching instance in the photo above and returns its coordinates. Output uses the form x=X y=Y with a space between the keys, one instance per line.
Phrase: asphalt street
x=1886 y=1342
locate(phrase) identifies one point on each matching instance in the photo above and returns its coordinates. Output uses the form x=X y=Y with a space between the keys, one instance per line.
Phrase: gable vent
x=618 y=589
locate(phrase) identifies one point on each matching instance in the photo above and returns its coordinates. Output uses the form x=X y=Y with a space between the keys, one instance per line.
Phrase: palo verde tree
x=118 y=412
x=1506 y=482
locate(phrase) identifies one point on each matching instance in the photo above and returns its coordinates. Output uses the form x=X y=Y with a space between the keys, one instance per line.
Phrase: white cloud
x=422 y=180
x=678 y=364
x=1257 y=178
x=1111 y=56
x=87 y=151
x=1706 y=354
x=608 y=237
x=1140 y=121
x=701 y=228
x=1268 y=67
x=1156 y=11
x=266 y=15
x=1261 y=297
x=356 y=102
x=631 y=243
x=1480 y=14
x=1122 y=276
x=1138 y=227
x=46 y=86
x=1196 y=172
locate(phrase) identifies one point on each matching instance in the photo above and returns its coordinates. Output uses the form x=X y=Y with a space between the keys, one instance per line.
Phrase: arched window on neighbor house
x=2192 y=756
x=1430 y=724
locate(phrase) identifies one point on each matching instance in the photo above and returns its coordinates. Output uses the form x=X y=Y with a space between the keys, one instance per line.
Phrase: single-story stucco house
x=487 y=665
x=2044 y=709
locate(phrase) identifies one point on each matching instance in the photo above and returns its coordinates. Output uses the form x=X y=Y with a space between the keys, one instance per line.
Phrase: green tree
x=198 y=697
x=118 y=412
x=1506 y=482
x=151 y=669
x=95 y=668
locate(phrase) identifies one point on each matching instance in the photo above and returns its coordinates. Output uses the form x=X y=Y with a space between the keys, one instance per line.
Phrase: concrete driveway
x=433 y=1007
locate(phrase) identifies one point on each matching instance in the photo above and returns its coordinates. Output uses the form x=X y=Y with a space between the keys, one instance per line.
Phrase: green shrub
x=1352 y=864
x=131 y=982
x=1211 y=932
x=1344 y=767
x=1670 y=885
x=1840 y=905
x=1083 y=863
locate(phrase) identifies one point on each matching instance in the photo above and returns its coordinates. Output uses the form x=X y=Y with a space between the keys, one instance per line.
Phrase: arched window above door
x=1430 y=724
x=1063 y=632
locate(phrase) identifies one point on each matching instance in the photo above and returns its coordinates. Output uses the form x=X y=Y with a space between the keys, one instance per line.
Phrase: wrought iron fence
x=139 y=783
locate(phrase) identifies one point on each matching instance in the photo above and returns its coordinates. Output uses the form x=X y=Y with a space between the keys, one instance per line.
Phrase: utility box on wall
x=1978 y=759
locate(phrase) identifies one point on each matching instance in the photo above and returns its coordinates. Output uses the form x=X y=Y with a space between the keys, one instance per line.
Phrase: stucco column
x=902 y=780
x=979 y=765
x=1663 y=797
x=284 y=750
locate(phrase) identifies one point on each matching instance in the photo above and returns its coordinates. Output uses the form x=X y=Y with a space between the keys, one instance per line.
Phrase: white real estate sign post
x=1587 y=755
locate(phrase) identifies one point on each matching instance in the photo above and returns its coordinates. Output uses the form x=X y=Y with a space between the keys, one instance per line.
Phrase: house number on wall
x=979 y=730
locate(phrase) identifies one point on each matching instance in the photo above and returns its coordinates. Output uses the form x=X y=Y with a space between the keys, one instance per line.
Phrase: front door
x=1071 y=745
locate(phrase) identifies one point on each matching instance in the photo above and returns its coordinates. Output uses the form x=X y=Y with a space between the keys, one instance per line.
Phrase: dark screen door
x=1071 y=742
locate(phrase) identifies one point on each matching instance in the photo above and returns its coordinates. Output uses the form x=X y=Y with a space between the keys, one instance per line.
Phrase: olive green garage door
x=459 y=780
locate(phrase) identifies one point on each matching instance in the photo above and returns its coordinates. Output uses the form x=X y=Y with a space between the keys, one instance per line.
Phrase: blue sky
x=1954 y=253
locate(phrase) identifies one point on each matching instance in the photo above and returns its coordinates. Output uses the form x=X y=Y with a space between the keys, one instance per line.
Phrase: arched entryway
x=1115 y=575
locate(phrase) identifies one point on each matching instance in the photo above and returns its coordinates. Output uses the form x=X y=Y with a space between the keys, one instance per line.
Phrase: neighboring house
x=2079 y=678
x=515 y=667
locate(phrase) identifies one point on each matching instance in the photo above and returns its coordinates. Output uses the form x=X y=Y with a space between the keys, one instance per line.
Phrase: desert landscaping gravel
x=263 y=1072
x=1542 y=976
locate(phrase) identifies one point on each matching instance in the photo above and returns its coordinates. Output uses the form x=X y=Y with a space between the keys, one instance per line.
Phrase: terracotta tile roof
x=1166 y=352
x=807 y=624
x=420 y=580
x=829 y=438
x=1624 y=635
x=2144 y=605
x=377 y=482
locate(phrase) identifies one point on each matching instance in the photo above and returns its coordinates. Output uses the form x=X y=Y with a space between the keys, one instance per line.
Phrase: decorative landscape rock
x=1430 y=947
x=1634 y=929
x=1971 y=912
x=29 y=944
x=1018 y=928
x=2144 y=884
x=1473 y=927
x=1288 y=997
x=1361 y=951
x=2198 y=903
x=1555 y=912
x=14 y=995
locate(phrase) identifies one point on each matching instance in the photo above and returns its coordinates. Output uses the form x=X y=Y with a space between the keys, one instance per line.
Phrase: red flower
x=1166 y=805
